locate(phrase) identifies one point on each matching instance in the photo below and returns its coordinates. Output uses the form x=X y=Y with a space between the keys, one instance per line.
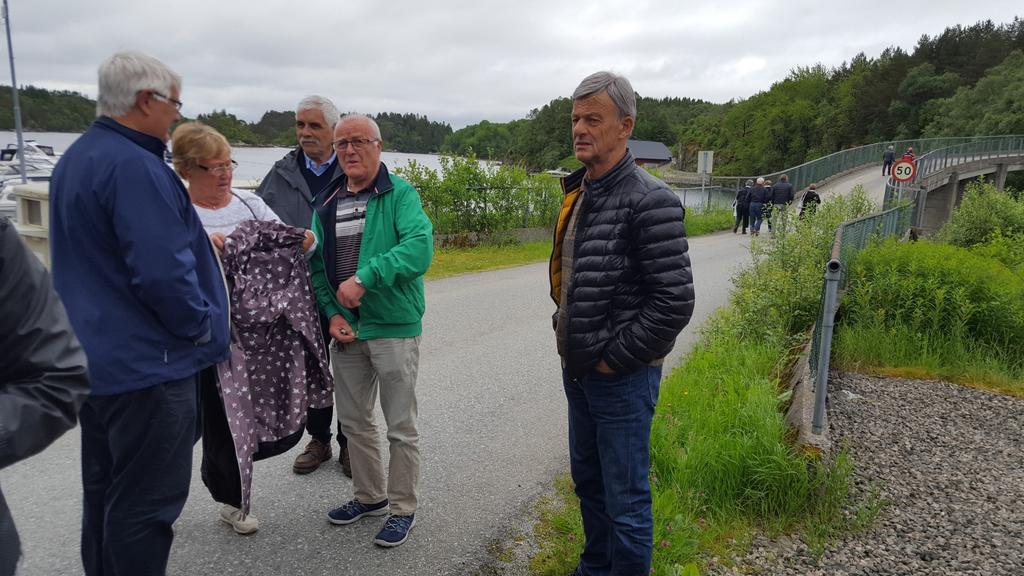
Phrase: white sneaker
x=233 y=516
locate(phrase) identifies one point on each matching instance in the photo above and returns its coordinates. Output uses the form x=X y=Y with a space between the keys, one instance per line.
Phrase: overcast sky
x=462 y=61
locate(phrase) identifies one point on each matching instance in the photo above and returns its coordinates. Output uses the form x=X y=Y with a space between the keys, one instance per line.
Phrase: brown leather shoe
x=345 y=461
x=315 y=454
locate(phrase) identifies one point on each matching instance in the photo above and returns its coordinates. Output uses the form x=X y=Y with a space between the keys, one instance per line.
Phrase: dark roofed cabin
x=646 y=152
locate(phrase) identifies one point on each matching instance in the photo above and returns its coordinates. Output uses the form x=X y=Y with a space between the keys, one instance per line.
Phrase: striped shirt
x=350 y=217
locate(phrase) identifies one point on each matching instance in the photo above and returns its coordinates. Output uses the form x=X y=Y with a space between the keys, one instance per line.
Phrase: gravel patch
x=949 y=463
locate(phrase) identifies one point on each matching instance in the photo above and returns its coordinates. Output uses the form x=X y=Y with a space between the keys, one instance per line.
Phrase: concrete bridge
x=943 y=175
x=944 y=167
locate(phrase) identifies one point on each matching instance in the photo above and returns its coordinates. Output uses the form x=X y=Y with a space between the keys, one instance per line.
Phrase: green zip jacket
x=396 y=250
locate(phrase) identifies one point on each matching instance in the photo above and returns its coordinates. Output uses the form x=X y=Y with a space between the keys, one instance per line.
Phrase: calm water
x=253 y=163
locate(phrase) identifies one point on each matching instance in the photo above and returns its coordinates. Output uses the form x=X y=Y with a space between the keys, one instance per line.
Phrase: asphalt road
x=493 y=435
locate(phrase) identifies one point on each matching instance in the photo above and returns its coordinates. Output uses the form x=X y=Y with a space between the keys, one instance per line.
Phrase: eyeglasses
x=356 y=143
x=218 y=170
x=177 y=103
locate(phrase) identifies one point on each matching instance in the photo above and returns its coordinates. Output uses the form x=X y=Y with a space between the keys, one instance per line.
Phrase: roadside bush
x=468 y=197
x=933 y=289
x=779 y=295
x=983 y=212
x=1006 y=248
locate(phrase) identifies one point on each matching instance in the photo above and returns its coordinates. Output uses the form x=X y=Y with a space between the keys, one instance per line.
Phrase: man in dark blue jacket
x=781 y=198
x=144 y=292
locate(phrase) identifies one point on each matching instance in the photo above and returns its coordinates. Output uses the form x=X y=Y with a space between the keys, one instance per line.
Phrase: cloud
x=458 y=61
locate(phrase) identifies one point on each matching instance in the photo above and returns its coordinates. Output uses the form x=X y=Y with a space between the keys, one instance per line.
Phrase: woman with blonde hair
x=202 y=156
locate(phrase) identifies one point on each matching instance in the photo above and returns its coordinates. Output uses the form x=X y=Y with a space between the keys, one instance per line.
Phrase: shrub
x=1006 y=248
x=984 y=212
x=469 y=197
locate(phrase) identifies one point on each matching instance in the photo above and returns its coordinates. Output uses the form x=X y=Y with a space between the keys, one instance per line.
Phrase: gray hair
x=373 y=123
x=125 y=74
x=750 y=183
x=321 y=105
x=760 y=181
x=618 y=88
x=784 y=178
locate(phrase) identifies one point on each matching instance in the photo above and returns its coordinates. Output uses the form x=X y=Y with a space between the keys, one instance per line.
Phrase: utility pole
x=14 y=92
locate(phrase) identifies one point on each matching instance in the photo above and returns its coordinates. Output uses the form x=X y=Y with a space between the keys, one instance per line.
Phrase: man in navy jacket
x=142 y=287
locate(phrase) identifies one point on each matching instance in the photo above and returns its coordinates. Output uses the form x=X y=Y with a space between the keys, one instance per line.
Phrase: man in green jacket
x=374 y=245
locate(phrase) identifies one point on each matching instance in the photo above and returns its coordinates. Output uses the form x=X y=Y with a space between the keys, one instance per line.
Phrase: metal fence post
x=832 y=276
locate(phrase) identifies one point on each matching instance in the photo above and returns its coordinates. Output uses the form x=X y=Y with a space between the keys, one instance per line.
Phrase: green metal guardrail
x=851 y=237
x=815 y=171
x=980 y=149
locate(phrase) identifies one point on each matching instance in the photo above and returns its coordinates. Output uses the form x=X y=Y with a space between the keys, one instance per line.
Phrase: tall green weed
x=933 y=288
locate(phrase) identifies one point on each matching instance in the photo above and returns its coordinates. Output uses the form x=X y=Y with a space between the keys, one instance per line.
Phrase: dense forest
x=965 y=81
x=968 y=80
x=62 y=111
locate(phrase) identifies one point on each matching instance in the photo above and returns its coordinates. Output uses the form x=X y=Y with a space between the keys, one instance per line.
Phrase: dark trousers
x=886 y=167
x=318 y=425
x=609 y=456
x=136 y=468
x=742 y=216
x=219 y=467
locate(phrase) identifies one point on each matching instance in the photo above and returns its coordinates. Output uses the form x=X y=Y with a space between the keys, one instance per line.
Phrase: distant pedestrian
x=888 y=157
x=43 y=375
x=810 y=201
x=622 y=284
x=375 y=243
x=145 y=295
x=781 y=198
x=759 y=196
x=743 y=207
x=909 y=155
x=293 y=190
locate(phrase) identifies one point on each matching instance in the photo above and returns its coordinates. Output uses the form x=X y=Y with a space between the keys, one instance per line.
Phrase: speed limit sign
x=904 y=171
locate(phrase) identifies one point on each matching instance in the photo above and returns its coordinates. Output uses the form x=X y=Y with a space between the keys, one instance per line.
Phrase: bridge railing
x=941 y=159
x=962 y=153
x=820 y=169
x=851 y=237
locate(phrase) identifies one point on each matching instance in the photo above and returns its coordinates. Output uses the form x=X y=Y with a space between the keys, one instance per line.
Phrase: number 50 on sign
x=903 y=171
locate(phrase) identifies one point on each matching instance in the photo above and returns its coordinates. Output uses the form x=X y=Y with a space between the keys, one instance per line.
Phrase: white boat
x=33 y=151
x=37 y=169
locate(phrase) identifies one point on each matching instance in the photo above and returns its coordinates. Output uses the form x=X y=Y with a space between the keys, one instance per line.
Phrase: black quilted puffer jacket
x=632 y=289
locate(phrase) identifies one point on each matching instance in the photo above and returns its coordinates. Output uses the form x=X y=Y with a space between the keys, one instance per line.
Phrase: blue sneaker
x=353 y=510
x=395 y=531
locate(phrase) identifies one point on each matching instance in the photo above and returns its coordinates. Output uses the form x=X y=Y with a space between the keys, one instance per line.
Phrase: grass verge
x=903 y=353
x=453 y=261
x=933 y=310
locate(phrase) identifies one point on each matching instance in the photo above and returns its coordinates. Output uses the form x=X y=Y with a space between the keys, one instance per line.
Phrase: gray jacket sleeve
x=43 y=374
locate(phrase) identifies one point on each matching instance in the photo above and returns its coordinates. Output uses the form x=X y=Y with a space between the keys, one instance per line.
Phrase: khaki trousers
x=361 y=370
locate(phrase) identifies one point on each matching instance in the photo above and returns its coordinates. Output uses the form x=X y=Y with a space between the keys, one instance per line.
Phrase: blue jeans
x=609 y=453
x=756 y=216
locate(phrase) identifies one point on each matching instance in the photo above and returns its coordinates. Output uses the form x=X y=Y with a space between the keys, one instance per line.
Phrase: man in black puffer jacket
x=620 y=276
